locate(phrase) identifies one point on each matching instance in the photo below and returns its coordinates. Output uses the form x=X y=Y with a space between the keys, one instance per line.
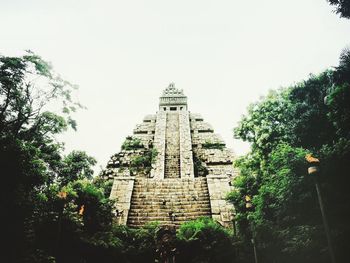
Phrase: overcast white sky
x=225 y=54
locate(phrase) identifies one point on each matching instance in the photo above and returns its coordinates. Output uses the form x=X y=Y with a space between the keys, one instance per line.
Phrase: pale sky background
x=225 y=54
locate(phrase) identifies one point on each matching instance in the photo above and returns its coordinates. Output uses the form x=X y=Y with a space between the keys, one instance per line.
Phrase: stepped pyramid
x=173 y=169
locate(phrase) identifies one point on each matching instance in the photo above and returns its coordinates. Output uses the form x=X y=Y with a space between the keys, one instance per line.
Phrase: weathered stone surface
x=222 y=211
x=169 y=201
x=171 y=193
x=205 y=137
x=201 y=126
x=144 y=128
x=186 y=155
x=121 y=193
x=172 y=146
x=159 y=145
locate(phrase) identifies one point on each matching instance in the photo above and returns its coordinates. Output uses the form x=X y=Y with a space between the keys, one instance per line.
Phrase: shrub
x=143 y=163
x=132 y=143
x=204 y=240
x=213 y=145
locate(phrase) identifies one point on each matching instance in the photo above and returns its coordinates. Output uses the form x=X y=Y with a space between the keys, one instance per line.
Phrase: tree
x=310 y=117
x=33 y=165
x=204 y=240
x=76 y=166
x=342 y=7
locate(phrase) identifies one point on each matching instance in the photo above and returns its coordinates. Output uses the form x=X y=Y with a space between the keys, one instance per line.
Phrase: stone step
x=144 y=220
x=170 y=188
x=173 y=192
x=172 y=148
x=169 y=182
x=174 y=183
x=155 y=204
x=181 y=180
x=156 y=201
x=187 y=198
x=172 y=206
x=152 y=208
x=166 y=213
x=176 y=225
x=162 y=220
x=176 y=219
x=163 y=197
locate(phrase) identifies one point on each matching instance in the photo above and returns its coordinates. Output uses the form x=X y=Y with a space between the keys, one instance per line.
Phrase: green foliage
x=76 y=166
x=45 y=191
x=193 y=230
x=266 y=123
x=132 y=143
x=213 y=145
x=103 y=184
x=342 y=7
x=63 y=224
x=97 y=214
x=55 y=210
x=284 y=217
x=143 y=163
x=204 y=240
x=23 y=102
x=142 y=245
x=122 y=244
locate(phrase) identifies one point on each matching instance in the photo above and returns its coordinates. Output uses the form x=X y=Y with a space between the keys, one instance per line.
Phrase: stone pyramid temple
x=173 y=169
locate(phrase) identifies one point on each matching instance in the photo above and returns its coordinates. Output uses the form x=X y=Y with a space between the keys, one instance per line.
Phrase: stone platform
x=168 y=201
x=187 y=178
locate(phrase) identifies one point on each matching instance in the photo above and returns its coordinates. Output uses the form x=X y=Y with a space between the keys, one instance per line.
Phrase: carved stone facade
x=174 y=169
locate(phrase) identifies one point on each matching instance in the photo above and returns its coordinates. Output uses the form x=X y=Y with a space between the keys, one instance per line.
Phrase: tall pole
x=325 y=222
x=62 y=196
x=249 y=206
x=59 y=231
x=313 y=171
x=255 y=252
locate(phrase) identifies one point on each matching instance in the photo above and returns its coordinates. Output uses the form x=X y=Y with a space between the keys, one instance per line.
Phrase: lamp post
x=249 y=206
x=62 y=196
x=313 y=170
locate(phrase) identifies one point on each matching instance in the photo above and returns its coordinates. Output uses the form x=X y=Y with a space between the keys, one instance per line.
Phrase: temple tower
x=174 y=168
x=172 y=138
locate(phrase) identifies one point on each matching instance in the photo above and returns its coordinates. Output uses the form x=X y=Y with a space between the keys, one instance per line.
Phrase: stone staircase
x=168 y=201
x=172 y=146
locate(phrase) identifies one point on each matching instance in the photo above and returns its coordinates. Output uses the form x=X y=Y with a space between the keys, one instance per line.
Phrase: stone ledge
x=124 y=178
x=217 y=177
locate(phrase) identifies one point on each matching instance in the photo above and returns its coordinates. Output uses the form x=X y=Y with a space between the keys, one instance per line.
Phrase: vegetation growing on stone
x=199 y=167
x=132 y=143
x=204 y=240
x=55 y=212
x=143 y=162
x=213 y=145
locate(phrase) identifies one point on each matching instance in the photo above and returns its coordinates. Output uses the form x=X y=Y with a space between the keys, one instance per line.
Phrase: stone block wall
x=191 y=134
x=199 y=138
x=121 y=192
x=186 y=156
x=221 y=210
x=159 y=145
x=201 y=126
x=219 y=163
